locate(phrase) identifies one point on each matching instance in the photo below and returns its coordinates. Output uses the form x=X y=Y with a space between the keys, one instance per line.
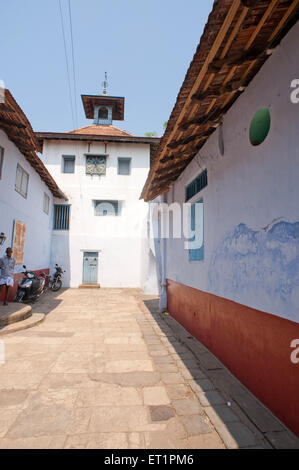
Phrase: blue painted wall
x=253 y=263
x=251 y=212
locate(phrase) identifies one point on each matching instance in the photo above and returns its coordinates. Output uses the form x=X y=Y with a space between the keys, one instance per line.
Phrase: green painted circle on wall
x=260 y=126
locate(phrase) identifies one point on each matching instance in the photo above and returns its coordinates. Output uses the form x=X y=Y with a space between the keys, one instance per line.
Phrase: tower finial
x=105 y=84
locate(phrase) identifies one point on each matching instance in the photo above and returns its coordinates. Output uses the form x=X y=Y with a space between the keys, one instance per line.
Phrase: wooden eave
x=117 y=103
x=238 y=38
x=18 y=129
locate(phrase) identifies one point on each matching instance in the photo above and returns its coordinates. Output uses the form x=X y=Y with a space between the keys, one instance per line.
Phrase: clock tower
x=103 y=109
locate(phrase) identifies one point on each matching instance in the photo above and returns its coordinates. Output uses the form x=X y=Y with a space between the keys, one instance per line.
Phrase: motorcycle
x=30 y=287
x=56 y=283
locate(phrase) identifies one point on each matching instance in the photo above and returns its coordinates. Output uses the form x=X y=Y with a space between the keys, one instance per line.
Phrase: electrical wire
x=73 y=59
x=67 y=64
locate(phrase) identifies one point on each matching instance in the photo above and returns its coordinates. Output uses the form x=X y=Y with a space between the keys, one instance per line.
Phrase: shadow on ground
x=235 y=413
x=48 y=301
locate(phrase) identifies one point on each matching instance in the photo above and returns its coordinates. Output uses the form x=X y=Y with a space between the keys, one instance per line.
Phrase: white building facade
x=101 y=169
x=27 y=192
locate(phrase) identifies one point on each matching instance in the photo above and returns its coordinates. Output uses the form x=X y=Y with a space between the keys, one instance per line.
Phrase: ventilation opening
x=260 y=126
x=200 y=182
x=103 y=113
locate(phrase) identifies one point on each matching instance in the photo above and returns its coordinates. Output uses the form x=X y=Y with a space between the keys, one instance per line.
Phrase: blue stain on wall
x=259 y=268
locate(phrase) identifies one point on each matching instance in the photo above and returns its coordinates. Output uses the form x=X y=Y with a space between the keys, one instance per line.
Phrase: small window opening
x=103 y=113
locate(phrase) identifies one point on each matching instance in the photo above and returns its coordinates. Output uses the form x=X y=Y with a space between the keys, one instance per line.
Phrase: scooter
x=30 y=287
x=56 y=283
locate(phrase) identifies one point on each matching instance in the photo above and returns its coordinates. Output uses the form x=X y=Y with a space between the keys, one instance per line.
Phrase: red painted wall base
x=254 y=346
x=17 y=278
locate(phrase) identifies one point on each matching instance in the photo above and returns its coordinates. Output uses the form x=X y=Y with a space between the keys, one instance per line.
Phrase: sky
x=144 y=46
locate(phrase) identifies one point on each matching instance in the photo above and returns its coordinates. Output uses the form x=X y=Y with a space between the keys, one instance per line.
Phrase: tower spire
x=105 y=84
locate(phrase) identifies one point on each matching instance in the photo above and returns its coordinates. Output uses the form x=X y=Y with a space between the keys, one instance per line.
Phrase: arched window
x=103 y=113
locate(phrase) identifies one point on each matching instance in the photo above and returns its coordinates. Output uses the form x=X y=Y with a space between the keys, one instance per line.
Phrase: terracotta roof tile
x=18 y=129
x=96 y=129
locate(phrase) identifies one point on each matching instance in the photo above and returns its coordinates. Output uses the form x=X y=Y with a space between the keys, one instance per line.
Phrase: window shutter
x=19 y=178
x=69 y=164
x=196 y=254
x=24 y=183
x=124 y=166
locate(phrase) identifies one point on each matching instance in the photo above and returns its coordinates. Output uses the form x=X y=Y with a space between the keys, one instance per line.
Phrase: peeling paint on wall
x=249 y=265
x=19 y=241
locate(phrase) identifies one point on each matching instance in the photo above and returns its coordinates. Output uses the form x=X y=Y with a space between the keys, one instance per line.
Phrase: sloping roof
x=86 y=137
x=237 y=40
x=117 y=103
x=18 y=129
x=96 y=129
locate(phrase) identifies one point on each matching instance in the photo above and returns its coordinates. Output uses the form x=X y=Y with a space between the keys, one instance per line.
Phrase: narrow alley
x=107 y=370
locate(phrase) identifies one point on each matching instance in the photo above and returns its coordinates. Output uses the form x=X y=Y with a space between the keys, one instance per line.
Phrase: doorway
x=90 y=267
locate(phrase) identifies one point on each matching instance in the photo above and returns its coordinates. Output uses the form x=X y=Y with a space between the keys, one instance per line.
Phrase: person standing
x=7 y=266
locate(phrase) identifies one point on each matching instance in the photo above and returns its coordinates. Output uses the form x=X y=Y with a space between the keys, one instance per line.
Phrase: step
x=14 y=313
x=34 y=320
x=89 y=286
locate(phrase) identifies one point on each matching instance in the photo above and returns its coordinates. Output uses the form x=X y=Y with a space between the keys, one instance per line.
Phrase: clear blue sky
x=145 y=46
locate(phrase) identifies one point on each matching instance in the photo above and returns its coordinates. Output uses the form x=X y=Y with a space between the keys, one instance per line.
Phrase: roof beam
x=6 y=109
x=212 y=118
x=250 y=3
x=166 y=173
x=284 y=19
x=237 y=59
x=261 y=23
x=19 y=135
x=219 y=92
x=180 y=155
x=8 y=122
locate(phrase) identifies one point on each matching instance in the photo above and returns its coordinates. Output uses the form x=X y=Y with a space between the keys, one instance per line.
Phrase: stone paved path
x=106 y=370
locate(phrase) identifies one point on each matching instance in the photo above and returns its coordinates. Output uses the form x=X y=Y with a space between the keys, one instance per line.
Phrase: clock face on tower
x=95 y=165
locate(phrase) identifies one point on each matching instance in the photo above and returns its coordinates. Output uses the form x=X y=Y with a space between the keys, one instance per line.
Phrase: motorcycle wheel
x=56 y=285
x=19 y=297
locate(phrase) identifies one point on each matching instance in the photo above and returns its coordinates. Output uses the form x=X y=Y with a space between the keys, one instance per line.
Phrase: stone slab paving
x=107 y=370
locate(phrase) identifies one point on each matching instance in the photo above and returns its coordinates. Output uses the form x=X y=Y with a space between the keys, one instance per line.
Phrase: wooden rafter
x=6 y=109
x=283 y=20
x=240 y=58
x=9 y=122
x=179 y=155
x=211 y=119
x=219 y=92
x=250 y=3
x=19 y=135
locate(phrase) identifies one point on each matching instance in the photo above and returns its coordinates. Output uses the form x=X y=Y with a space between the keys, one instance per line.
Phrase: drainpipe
x=163 y=246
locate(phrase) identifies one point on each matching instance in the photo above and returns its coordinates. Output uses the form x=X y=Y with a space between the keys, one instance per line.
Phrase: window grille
x=200 y=182
x=107 y=208
x=61 y=217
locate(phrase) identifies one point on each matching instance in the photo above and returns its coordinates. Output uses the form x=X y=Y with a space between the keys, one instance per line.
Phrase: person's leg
x=6 y=295
x=1 y=291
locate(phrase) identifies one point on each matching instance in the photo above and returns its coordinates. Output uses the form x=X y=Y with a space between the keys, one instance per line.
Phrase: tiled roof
x=96 y=129
x=18 y=129
x=238 y=38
